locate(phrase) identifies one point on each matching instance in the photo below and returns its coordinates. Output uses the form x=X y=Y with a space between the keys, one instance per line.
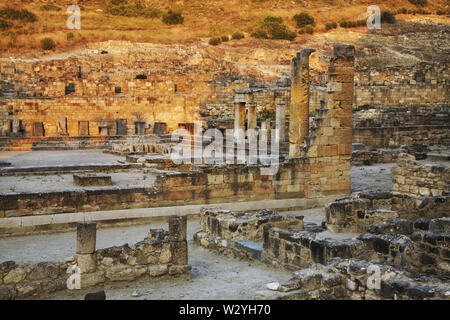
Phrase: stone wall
x=367 y=157
x=419 y=252
x=416 y=179
x=296 y=249
x=384 y=137
x=357 y=213
x=230 y=226
x=161 y=254
x=203 y=185
x=104 y=112
x=353 y=279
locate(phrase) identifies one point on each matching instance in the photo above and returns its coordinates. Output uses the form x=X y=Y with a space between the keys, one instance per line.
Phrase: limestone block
x=177 y=228
x=86 y=262
x=86 y=237
x=125 y=273
x=158 y=270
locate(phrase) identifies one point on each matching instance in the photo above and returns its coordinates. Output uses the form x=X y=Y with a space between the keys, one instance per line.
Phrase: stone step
x=253 y=249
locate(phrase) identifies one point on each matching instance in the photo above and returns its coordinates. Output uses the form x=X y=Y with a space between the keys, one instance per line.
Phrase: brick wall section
x=414 y=178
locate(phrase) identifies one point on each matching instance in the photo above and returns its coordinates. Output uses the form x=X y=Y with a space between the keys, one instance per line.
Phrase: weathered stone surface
x=16 y=275
x=86 y=262
x=125 y=273
x=158 y=270
x=86 y=237
x=92 y=279
x=177 y=228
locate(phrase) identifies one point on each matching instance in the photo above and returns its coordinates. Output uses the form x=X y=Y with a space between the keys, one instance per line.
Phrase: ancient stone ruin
x=288 y=203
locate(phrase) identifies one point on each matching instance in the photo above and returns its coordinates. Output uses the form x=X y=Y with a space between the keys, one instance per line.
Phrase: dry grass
x=203 y=19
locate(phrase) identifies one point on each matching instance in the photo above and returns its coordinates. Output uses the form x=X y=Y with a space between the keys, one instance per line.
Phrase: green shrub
x=440 y=12
x=261 y=34
x=172 y=17
x=224 y=38
x=303 y=19
x=237 y=36
x=48 y=44
x=402 y=11
x=4 y=25
x=70 y=36
x=419 y=3
x=344 y=24
x=273 y=28
x=309 y=29
x=13 y=14
x=141 y=76
x=272 y=20
x=330 y=25
x=281 y=32
x=49 y=7
x=214 y=41
x=387 y=17
x=301 y=31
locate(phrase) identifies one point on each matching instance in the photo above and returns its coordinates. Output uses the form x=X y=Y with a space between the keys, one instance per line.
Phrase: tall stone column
x=280 y=121
x=239 y=117
x=341 y=89
x=251 y=124
x=299 y=107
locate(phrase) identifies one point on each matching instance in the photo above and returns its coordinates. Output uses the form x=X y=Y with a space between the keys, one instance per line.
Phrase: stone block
x=177 y=228
x=86 y=237
x=86 y=262
x=86 y=180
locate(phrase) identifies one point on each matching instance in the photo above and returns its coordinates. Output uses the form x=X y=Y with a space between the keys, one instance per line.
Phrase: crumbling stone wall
x=353 y=279
x=240 y=234
x=161 y=254
x=368 y=157
x=416 y=179
x=295 y=249
x=357 y=213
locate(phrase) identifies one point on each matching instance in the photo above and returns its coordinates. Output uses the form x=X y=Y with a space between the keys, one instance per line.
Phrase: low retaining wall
x=416 y=179
x=366 y=157
x=384 y=137
x=162 y=253
x=206 y=185
x=357 y=213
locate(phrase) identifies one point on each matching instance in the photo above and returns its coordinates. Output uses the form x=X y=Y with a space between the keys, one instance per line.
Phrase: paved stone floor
x=46 y=182
x=66 y=157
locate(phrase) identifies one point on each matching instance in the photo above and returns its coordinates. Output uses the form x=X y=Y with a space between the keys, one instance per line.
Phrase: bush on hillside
x=173 y=17
x=237 y=35
x=303 y=19
x=48 y=44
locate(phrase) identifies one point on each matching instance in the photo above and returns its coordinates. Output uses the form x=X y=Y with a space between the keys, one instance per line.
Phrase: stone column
x=341 y=89
x=86 y=241
x=239 y=117
x=177 y=238
x=281 y=120
x=251 y=124
x=299 y=107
